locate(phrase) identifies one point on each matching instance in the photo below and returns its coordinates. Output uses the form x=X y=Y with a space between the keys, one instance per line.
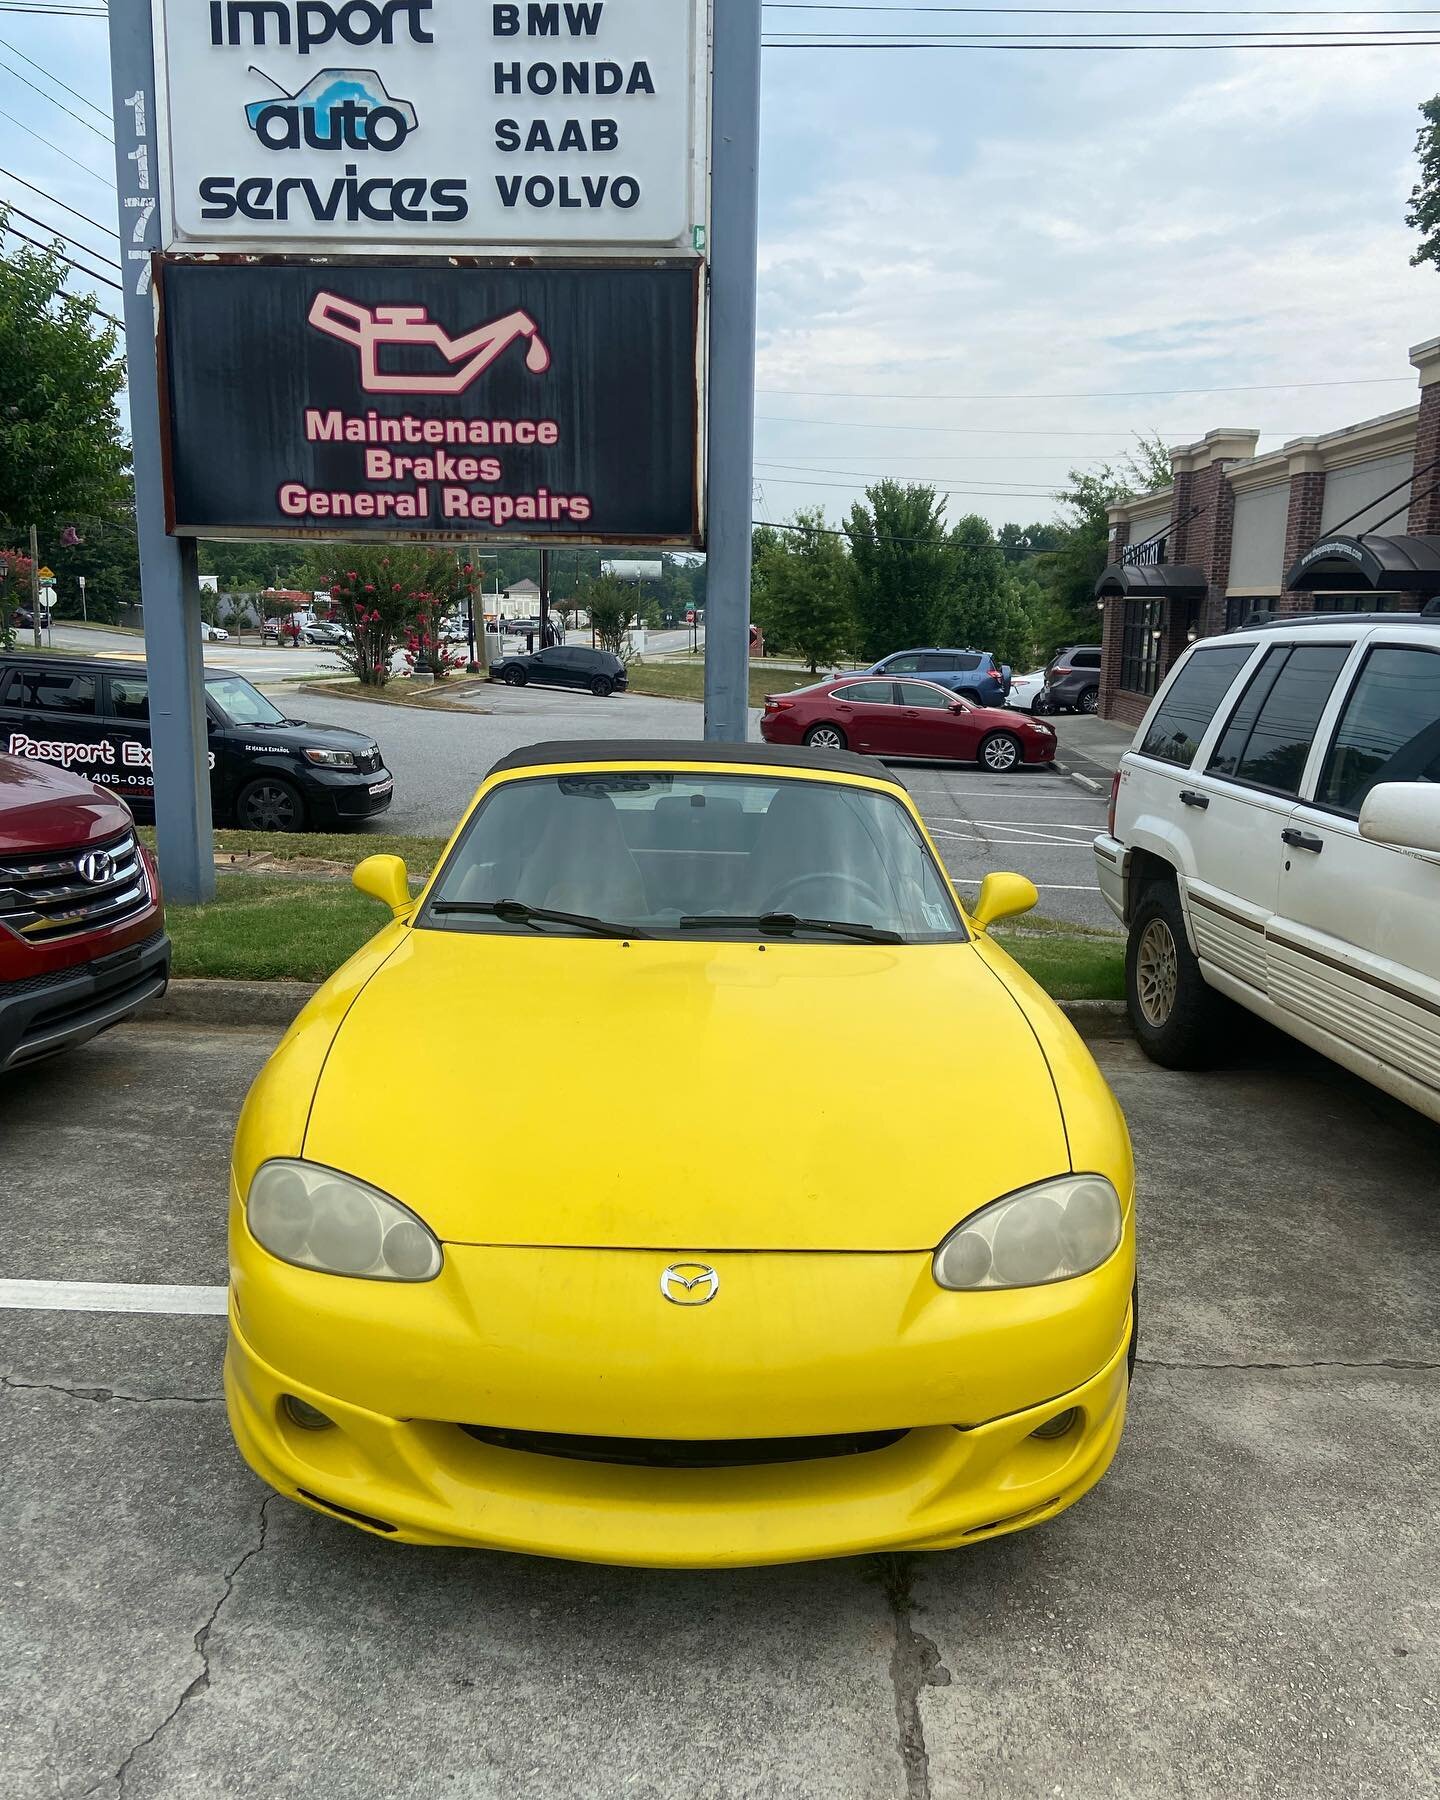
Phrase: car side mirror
x=1002 y=896
x=386 y=879
x=1403 y=813
x=957 y=706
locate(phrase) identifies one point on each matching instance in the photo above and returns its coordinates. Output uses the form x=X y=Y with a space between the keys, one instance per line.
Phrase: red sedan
x=905 y=718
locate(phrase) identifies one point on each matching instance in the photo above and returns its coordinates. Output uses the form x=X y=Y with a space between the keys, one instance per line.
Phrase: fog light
x=1052 y=1428
x=307 y=1417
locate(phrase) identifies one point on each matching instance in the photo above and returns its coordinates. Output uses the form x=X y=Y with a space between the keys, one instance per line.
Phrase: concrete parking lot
x=1247 y=1605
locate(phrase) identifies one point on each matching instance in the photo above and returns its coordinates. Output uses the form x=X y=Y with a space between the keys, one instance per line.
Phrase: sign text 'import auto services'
x=407 y=124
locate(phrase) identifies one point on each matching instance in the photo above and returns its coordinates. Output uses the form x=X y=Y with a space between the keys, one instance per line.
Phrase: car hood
x=295 y=734
x=43 y=808
x=543 y=1090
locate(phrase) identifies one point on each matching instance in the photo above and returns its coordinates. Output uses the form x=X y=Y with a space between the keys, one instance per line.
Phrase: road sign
x=404 y=400
x=407 y=125
x=47 y=575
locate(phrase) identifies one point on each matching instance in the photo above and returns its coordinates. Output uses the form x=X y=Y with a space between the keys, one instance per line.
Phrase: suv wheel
x=1175 y=1015
x=269 y=804
x=1090 y=700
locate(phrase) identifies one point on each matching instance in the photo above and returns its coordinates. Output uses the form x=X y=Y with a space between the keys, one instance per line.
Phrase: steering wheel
x=862 y=888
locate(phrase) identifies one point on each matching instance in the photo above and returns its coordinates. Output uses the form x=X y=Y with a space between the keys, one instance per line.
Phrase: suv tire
x=1090 y=700
x=269 y=803
x=1176 y=1016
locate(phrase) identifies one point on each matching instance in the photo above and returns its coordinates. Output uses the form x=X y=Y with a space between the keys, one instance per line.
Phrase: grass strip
x=275 y=927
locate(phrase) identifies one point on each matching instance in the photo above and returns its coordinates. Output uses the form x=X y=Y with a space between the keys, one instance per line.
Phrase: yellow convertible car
x=684 y=1178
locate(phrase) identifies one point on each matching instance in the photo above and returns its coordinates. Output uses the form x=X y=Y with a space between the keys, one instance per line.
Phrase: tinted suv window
x=937 y=659
x=901 y=665
x=1390 y=729
x=1085 y=659
x=56 y=691
x=1270 y=732
x=1186 y=711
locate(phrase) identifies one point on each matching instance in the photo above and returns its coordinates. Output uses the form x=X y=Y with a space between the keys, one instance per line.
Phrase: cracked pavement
x=1247 y=1605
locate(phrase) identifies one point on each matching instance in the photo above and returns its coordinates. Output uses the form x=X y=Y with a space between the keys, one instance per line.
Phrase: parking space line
x=111 y=1297
x=1043 y=887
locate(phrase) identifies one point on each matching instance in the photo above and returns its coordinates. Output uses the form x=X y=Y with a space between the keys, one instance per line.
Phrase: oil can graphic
x=411 y=327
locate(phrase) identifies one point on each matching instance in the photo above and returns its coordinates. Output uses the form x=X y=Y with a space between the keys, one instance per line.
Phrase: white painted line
x=1016 y=825
x=1045 y=887
x=1009 y=843
x=110 y=1297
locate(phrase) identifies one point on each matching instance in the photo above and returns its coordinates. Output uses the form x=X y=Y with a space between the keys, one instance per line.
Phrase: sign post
x=735 y=161
x=169 y=577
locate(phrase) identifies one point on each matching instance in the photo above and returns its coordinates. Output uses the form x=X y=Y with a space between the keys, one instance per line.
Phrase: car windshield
x=695 y=855
x=241 y=703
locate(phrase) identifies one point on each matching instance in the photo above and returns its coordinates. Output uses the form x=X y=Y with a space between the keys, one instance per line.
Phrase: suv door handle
x=1188 y=797
x=1302 y=840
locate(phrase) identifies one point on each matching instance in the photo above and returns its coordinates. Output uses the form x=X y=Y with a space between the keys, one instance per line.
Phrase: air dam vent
x=685 y=1453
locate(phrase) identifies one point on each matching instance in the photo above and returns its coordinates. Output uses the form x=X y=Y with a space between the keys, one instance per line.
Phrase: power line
x=51 y=76
x=1129 y=12
x=9 y=206
x=989 y=430
x=860 y=487
x=69 y=111
x=30 y=129
x=1341 y=34
x=977 y=481
x=63 y=205
x=871 y=537
x=1261 y=387
x=89 y=274
x=1103 y=49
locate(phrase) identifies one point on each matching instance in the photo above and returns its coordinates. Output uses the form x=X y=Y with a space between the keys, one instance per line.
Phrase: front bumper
x=333 y=797
x=579 y=1343
x=47 y=1013
x=427 y=1482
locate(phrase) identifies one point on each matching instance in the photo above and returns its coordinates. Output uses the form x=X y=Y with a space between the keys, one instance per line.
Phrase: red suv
x=82 y=923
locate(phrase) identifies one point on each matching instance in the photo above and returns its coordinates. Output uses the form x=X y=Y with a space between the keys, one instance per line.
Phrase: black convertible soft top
x=663 y=753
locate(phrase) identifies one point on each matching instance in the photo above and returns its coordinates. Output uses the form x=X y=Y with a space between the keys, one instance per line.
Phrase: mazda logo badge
x=96 y=866
x=689 y=1284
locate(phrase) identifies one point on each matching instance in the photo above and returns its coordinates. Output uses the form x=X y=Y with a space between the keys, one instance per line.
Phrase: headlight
x=1052 y=1232
x=317 y=1218
x=331 y=759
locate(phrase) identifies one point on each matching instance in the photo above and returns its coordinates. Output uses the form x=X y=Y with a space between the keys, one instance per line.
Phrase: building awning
x=1404 y=565
x=1152 y=581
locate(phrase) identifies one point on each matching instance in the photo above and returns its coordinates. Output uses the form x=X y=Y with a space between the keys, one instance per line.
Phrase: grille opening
x=346 y=1512
x=685 y=1453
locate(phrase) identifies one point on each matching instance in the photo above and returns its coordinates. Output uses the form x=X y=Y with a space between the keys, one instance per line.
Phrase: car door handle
x=1302 y=840
x=1188 y=797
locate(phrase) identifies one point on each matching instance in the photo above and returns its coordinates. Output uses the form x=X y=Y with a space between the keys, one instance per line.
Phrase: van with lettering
x=267 y=772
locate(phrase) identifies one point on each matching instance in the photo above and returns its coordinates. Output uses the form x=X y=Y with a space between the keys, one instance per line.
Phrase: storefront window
x=1366 y=601
x=1140 y=646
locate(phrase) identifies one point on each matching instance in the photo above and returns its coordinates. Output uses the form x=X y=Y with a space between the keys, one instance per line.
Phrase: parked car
x=288 y=625
x=905 y=718
x=213 y=634
x=973 y=673
x=25 y=618
x=1072 y=681
x=325 y=633
x=82 y=923
x=566 y=665
x=1274 y=840
x=707 y=1343
x=267 y=772
x=1025 y=690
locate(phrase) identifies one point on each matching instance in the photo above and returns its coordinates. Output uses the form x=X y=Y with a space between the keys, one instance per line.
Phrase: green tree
x=806 y=593
x=1070 y=570
x=382 y=593
x=1423 y=212
x=61 y=453
x=611 y=605
x=898 y=562
x=107 y=553
x=976 y=609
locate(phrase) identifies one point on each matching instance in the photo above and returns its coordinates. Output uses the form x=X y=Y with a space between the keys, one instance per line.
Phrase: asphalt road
x=1246 y=1606
x=1037 y=821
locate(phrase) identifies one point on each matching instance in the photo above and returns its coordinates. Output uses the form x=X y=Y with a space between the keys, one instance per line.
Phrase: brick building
x=1325 y=523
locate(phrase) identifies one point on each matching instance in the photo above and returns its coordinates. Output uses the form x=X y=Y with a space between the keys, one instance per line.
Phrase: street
x=1245 y=1606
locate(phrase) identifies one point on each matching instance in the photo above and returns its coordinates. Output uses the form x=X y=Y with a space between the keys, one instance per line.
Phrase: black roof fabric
x=1152 y=581
x=661 y=753
x=1384 y=564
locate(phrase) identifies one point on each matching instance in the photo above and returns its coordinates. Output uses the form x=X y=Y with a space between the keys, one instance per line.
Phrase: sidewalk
x=1090 y=747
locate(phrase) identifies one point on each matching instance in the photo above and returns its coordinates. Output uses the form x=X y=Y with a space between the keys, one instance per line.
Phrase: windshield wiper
x=787 y=924
x=518 y=912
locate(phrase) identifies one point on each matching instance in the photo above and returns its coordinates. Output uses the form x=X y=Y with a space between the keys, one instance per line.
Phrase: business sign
x=428 y=401
x=412 y=124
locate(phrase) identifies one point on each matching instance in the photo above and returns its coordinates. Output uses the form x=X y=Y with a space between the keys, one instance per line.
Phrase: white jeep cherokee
x=1274 y=839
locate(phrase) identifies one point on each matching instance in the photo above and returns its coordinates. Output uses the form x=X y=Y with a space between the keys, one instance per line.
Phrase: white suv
x=1274 y=839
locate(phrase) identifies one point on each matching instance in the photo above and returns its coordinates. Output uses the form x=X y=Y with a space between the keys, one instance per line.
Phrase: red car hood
x=42 y=808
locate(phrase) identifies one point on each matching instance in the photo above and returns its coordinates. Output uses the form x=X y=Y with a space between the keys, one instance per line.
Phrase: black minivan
x=567 y=665
x=267 y=772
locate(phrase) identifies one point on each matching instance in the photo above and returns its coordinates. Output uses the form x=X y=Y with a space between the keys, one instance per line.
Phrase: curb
x=271 y=1003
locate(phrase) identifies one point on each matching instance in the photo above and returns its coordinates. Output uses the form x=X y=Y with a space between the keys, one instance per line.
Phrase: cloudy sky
x=972 y=258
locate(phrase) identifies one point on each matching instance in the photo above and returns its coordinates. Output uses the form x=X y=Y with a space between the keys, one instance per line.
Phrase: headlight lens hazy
x=317 y=1218
x=1052 y=1232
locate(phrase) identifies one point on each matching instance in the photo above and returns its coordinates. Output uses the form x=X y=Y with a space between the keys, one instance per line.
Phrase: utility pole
x=169 y=569
x=734 y=223
x=35 y=586
x=544 y=595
